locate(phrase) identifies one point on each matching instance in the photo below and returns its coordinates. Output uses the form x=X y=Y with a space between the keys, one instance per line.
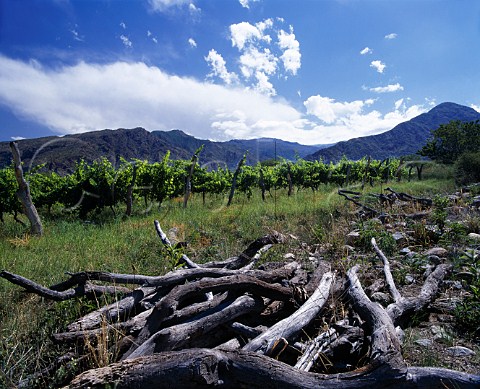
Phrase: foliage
x=439 y=214
x=452 y=140
x=467 y=312
x=467 y=168
x=384 y=239
x=101 y=184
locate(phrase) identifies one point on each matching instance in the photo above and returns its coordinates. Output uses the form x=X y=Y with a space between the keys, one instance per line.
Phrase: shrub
x=467 y=168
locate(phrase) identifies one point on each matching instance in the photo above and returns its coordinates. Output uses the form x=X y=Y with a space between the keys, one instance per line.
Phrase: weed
x=467 y=313
x=439 y=214
x=384 y=239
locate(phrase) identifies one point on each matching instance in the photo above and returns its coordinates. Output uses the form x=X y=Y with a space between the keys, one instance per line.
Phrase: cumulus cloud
x=391 y=36
x=253 y=61
x=475 y=107
x=126 y=42
x=260 y=54
x=17 y=138
x=386 y=89
x=192 y=42
x=329 y=111
x=123 y=25
x=242 y=33
x=219 y=68
x=344 y=120
x=366 y=50
x=89 y=96
x=379 y=66
x=263 y=85
x=291 y=56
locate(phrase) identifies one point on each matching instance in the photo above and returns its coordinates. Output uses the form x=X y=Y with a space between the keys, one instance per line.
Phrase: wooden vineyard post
x=235 y=176
x=23 y=193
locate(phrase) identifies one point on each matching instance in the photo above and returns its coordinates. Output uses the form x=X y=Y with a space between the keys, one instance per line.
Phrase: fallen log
x=200 y=368
x=176 y=337
x=87 y=289
x=288 y=328
x=236 y=284
x=402 y=308
x=168 y=335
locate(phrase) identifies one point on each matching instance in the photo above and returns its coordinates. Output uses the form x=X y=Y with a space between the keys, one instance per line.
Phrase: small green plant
x=467 y=312
x=439 y=214
x=384 y=239
x=454 y=233
x=173 y=256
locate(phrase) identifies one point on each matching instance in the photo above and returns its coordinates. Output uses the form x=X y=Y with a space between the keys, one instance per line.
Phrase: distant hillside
x=405 y=138
x=61 y=153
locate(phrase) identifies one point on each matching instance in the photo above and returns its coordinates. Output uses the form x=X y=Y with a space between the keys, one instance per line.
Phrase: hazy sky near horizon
x=309 y=71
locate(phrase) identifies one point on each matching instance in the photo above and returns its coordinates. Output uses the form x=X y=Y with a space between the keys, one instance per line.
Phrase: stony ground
x=435 y=337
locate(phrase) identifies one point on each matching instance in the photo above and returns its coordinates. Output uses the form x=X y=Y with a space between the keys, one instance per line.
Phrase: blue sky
x=308 y=71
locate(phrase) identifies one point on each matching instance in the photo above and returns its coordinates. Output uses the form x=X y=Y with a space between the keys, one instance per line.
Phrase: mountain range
x=61 y=153
x=404 y=139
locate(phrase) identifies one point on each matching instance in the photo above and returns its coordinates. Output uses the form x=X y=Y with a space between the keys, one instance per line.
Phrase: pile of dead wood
x=230 y=325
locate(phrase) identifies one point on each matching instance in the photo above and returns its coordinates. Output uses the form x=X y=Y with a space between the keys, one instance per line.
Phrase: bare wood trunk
x=24 y=195
x=202 y=368
x=365 y=175
x=262 y=184
x=235 y=177
x=176 y=337
x=129 y=201
x=86 y=289
x=292 y=325
x=188 y=182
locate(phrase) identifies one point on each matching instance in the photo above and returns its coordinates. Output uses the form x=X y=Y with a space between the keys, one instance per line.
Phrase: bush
x=467 y=168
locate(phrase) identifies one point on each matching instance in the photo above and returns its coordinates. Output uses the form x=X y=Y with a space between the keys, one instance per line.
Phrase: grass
x=213 y=232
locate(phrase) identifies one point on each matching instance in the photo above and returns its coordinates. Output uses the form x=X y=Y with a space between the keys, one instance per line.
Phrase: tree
x=452 y=140
x=467 y=168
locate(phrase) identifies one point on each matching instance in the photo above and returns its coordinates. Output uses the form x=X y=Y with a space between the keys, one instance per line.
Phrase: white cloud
x=17 y=137
x=192 y=42
x=76 y=35
x=219 y=68
x=126 y=42
x=386 y=89
x=329 y=111
x=153 y=38
x=89 y=96
x=123 y=25
x=348 y=119
x=253 y=61
x=391 y=36
x=475 y=107
x=242 y=33
x=291 y=56
x=165 y=5
x=194 y=10
x=379 y=66
x=399 y=103
x=263 y=84
x=366 y=50
x=246 y=3
x=260 y=55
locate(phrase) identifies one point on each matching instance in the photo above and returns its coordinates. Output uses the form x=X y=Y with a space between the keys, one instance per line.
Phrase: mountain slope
x=405 y=138
x=61 y=153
